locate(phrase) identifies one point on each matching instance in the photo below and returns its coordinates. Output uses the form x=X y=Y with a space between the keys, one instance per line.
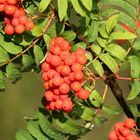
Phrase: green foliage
x=95 y=26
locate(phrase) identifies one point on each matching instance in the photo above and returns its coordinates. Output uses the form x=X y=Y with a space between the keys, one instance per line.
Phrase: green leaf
x=102 y=42
x=102 y=31
x=135 y=90
x=134 y=109
x=111 y=23
x=122 y=35
x=93 y=31
x=137 y=45
x=13 y=72
x=135 y=66
x=10 y=46
x=48 y=128
x=110 y=62
x=99 y=120
x=87 y=114
x=3 y=55
x=78 y=7
x=47 y=40
x=87 y=4
x=95 y=99
x=98 y=67
x=23 y=135
x=112 y=110
x=43 y=5
x=96 y=48
x=38 y=54
x=116 y=51
x=2 y=81
x=89 y=56
x=62 y=8
x=78 y=45
x=35 y=131
x=27 y=61
x=67 y=125
x=69 y=35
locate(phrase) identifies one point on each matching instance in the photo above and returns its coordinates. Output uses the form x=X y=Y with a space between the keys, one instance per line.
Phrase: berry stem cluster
x=124 y=131
x=15 y=19
x=63 y=75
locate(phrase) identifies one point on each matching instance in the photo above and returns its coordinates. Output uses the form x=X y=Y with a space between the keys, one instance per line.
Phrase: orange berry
x=19 y=29
x=9 y=29
x=64 y=88
x=9 y=9
x=76 y=86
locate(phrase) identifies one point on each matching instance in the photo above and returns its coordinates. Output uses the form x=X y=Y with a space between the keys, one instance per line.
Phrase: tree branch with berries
x=75 y=44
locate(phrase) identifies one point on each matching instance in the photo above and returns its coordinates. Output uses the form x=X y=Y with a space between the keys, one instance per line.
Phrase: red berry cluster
x=15 y=19
x=62 y=72
x=123 y=131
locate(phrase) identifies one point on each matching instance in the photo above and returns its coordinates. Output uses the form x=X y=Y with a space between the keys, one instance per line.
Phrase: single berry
x=52 y=73
x=66 y=80
x=67 y=105
x=29 y=25
x=19 y=29
x=76 y=67
x=23 y=20
x=80 y=52
x=69 y=60
x=76 y=86
x=63 y=97
x=9 y=29
x=11 y=2
x=78 y=75
x=131 y=137
x=9 y=9
x=64 y=88
x=81 y=59
x=2 y=1
x=118 y=125
x=52 y=106
x=49 y=95
x=64 y=55
x=45 y=67
x=55 y=60
x=71 y=76
x=2 y=6
x=129 y=123
x=45 y=76
x=15 y=21
x=65 y=70
x=112 y=136
x=124 y=131
x=58 y=104
x=57 y=81
x=55 y=50
x=56 y=91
